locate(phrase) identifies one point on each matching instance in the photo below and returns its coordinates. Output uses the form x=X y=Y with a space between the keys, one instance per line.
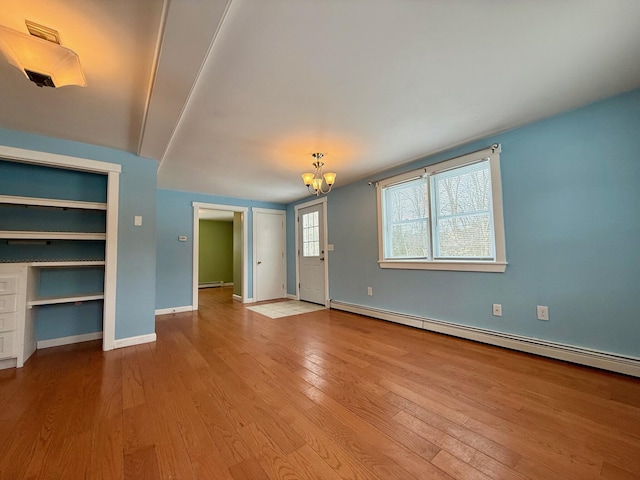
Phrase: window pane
x=463 y=212
x=465 y=237
x=406 y=220
x=409 y=240
x=310 y=235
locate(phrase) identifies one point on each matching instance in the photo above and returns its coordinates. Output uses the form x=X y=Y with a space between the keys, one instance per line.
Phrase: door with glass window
x=311 y=253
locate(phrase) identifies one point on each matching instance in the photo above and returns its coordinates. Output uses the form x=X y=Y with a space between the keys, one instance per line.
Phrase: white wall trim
x=55 y=160
x=316 y=201
x=8 y=363
x=168 y=311
x=56 y=342
x=111 y=262
x=560 y=351
x=131 y=341
x=291 y=296
x=196 y=245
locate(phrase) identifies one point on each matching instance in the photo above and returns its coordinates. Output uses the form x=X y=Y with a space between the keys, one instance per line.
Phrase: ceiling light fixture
x=41 y=57
x=315 y=181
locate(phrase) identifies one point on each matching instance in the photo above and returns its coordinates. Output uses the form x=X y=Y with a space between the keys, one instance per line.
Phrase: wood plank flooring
x=226 y=393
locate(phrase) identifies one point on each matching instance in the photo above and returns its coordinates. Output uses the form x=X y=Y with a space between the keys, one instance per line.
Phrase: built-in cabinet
x=12 y=312
x=57 y=254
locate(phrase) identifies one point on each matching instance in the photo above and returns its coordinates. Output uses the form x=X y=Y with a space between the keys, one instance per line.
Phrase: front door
x=311 y=254
x=269 y=235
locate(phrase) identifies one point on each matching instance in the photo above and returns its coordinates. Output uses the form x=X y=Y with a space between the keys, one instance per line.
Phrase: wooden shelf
x=52 y=202
x=64 y=299
x=32 y=235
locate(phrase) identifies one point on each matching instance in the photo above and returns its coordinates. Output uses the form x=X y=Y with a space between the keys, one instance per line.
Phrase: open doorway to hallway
x=219 y=249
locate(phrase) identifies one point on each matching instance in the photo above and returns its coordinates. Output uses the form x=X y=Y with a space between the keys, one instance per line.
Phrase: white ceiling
x=233 y=96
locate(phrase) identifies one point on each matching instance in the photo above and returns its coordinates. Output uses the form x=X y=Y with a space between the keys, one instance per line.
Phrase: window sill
x=496 y=267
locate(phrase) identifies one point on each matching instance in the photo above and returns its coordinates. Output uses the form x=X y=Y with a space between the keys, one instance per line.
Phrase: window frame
x=497 y=264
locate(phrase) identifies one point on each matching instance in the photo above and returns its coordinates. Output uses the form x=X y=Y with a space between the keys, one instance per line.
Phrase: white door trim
x=323 y=202
x=270 y=211
x=196 y=246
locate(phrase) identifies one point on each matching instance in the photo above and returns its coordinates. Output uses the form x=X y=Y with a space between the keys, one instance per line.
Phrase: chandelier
x=315 y=181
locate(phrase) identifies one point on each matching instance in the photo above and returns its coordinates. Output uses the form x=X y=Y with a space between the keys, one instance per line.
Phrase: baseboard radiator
x=217 y=283
x=559 y=351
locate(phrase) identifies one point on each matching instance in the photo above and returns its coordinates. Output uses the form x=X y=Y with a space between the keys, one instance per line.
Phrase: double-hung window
x=446 y=216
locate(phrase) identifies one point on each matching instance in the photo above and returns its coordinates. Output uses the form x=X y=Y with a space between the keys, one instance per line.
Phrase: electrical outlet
x=543 y=312
x=370 y=291
x=497 y=310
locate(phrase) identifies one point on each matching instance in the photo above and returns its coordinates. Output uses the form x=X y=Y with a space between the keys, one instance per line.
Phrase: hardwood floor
x=226 y=393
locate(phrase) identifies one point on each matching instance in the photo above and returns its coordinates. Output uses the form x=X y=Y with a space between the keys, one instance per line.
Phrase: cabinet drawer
x=8 y=285
x=8 y=303
x=8 y=321
x=7 y=341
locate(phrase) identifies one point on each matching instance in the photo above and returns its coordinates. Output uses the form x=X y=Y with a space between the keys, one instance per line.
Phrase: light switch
x=137 y=220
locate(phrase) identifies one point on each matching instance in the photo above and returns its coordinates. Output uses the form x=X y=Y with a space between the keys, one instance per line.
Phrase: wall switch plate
x=182 y=238
x=370 y=291
x=543 y=312
x=137 y=220
x=330 y=247
x=497 y=310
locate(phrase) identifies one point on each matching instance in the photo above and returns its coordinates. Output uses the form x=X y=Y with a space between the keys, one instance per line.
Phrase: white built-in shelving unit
x=20 y=285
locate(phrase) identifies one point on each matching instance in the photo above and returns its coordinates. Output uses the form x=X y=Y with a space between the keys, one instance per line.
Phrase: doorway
x=241 y=244
x=269 y=246
x=311 y=246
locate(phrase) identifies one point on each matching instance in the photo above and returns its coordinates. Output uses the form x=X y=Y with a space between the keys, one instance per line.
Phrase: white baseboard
x=249 y=300
x=167 y=311
x=131 y=341
x=56 y=342
x=291 y=296
x=570 y=353
x=8 y=363
x=237 y=297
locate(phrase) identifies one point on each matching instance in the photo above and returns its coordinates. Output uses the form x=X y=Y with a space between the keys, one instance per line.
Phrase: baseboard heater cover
x=215 y=284
x=558 y=351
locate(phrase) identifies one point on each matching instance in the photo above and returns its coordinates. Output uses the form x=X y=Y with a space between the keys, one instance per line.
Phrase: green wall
x=215 y=261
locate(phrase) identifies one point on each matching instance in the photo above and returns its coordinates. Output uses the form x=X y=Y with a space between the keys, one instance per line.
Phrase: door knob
x=322 y=259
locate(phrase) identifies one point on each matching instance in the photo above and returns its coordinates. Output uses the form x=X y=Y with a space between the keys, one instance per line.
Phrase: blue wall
x=174 y=272
x=135 y=293
x=571 y=187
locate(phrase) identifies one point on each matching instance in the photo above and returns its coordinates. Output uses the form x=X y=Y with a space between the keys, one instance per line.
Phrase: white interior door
x=269 y=266
x=311 y=254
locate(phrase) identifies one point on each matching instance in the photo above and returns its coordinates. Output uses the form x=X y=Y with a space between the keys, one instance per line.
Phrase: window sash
x=394 y=207
x=482 y=251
